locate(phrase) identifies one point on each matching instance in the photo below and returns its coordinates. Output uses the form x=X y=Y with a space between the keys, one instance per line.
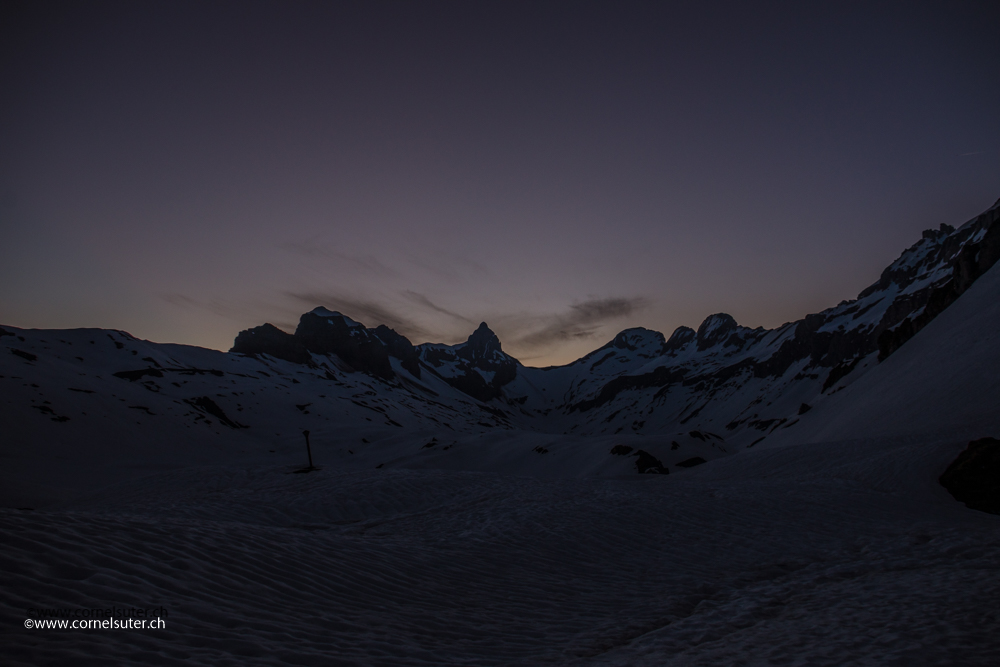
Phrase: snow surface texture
x=440 y=531
x=820 y=555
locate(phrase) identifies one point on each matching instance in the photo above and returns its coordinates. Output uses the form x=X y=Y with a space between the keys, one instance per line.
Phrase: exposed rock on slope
x=269 y=339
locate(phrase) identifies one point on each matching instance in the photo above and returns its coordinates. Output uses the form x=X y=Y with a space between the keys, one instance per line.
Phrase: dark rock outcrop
x=207 y=405
x=400 y=347
x=327 y=332
x=967 y=257
x=332 y=333
x=27 y=356
x=269 y=339
x=974 y=477
x=660 y=377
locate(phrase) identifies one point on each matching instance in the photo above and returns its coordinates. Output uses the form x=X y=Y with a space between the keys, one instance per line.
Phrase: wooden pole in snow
x=308 y=448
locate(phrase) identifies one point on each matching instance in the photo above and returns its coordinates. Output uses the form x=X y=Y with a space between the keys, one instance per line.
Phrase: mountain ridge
x=715 y=375
x=370 y=398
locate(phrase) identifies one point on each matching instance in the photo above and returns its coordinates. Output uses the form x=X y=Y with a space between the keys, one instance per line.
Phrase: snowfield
x=822 y=554
x=443 y=530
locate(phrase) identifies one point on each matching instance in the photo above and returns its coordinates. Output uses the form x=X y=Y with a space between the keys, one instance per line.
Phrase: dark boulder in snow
x=207 y=405
x=647 y=463
x=28 y=356
x=974 y=477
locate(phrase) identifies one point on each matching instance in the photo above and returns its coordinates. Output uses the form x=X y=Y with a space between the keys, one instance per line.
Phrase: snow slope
x=86 y=408
x=945 y=380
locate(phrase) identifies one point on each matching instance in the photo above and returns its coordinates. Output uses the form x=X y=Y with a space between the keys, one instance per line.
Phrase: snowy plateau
x=721 y=496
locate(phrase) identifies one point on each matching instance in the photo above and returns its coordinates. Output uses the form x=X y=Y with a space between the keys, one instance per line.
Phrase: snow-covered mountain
x=742 y=384
x=141 y=475
x=746 y=383
x=370 y=398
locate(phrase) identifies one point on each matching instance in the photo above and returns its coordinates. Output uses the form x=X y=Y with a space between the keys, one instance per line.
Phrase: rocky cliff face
x=269 y=339
x=326 y=332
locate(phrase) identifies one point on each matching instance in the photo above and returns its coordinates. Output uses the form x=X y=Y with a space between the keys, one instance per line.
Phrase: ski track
x=831 y=554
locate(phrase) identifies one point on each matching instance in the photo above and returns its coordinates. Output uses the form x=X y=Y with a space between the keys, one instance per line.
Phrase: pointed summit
x=483 y=343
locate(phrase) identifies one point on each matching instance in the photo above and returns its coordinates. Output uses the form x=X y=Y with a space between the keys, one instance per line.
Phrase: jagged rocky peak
x=638 y=338
x=715 y=329
x=934 y=234
x=483 y=344
x=477 y=367
x=679 y=338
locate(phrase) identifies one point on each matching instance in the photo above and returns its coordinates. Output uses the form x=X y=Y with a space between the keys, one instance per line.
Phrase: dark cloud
x=367 y=312
x=582 y=321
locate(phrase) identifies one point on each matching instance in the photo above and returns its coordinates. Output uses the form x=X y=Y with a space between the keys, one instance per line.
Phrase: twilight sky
x=563 y=171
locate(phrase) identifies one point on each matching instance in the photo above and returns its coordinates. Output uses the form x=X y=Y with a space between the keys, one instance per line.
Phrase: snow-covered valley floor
x=844 y=553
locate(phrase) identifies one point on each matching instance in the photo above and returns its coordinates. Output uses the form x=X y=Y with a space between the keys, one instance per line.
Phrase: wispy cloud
x=422 y=300
x=215 y=306
x=449 y=268
x=583 y=320
x=318 y=250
